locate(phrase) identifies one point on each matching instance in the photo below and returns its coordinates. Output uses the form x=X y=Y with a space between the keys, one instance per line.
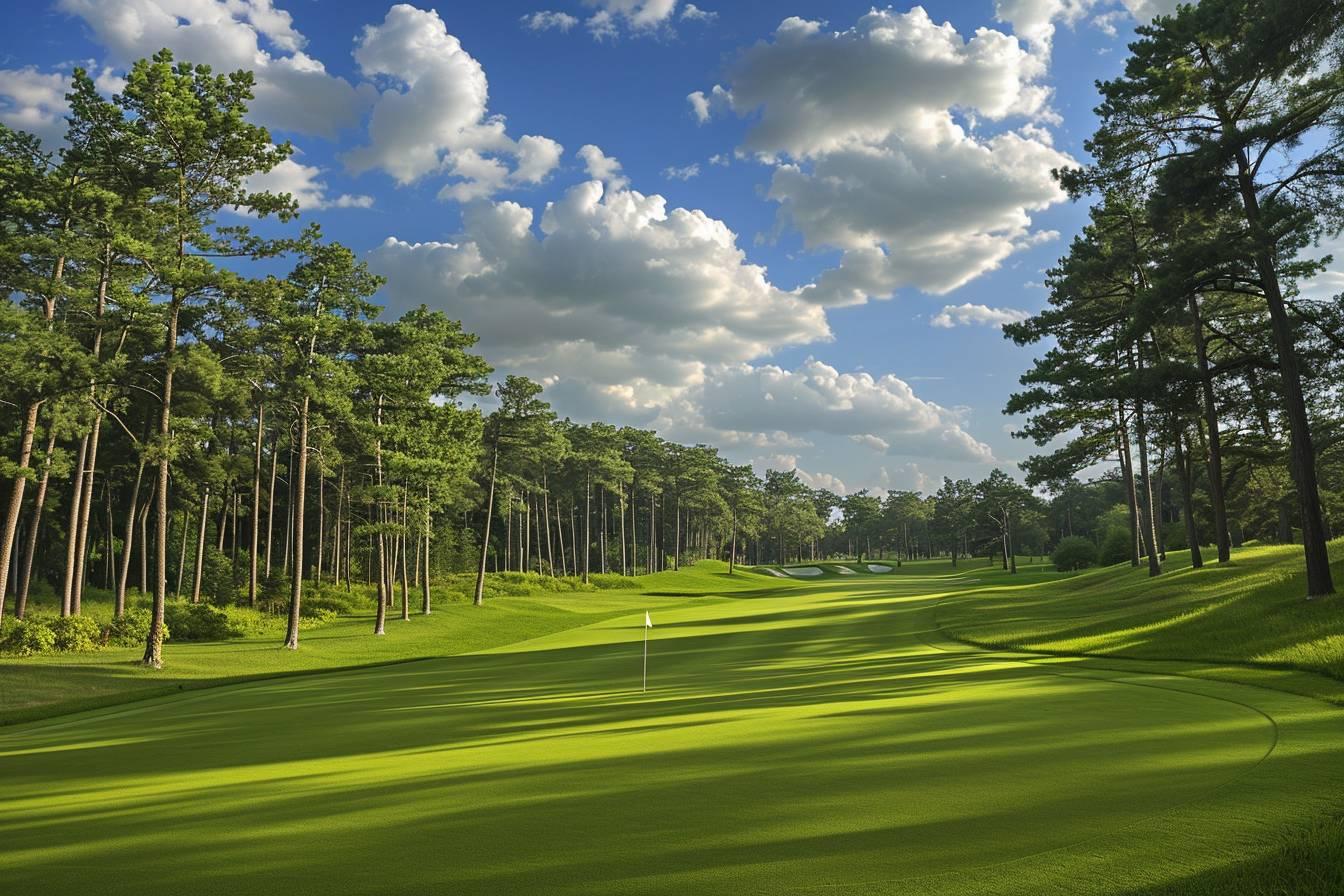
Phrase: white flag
x=648 y=623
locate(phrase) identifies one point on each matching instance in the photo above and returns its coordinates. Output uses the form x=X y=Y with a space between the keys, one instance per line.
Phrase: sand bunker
x=804 y=571
x=845 y=571
x=878 y=567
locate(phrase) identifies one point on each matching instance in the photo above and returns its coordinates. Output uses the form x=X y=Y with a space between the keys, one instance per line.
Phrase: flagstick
x=646 y=659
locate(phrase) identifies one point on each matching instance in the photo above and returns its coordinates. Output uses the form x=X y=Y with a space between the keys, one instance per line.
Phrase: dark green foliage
x=200 y=622
x=129 y=629
x=76 y=634
x=1115 y=547
x=1074 y=553
x=26 y=637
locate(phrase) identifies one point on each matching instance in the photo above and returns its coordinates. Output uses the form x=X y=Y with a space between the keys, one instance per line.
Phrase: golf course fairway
x=818 y=736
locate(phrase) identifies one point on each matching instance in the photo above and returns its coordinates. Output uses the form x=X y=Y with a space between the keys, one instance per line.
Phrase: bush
x=26 y=637
x=200 y=622
x=77 y=634
x=1073 y=553
x=130 y=629
x=1116 y=547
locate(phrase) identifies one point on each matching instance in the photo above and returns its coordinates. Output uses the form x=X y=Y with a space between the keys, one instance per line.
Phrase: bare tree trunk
x=1127 y=474
x=154 y=640
x=424 y=582
x=30 y=550
x=129 y=545
x=298 y=489
x=255 y=522
x=72 y=540
x=587 y=522
x=1302 y=453
x=200 y=549
x=479 y=598
x=403 y=538
x=321 y=525
x=625 y=566
x=1215 y=445
x=182 y=556
x=270 y=502
x=1188 y=500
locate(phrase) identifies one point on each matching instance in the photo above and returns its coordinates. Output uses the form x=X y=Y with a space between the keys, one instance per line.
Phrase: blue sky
x=806 y=266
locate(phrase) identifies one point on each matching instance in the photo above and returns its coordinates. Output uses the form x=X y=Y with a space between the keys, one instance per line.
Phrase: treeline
x=1184 y=348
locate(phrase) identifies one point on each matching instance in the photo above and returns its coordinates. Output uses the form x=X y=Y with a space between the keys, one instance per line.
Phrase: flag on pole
x=648 y=624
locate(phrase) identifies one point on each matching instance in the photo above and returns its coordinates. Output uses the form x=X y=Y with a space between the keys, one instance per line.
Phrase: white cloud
x=546 y=20
x=602 y=167
x=818 y=398
x=294 y=92
x=34 y=101
x=720 y=159
x=1328 y=284
x=873 y=159
x=686 y=172
x=868 y=440
x=968 y=314
x=786 y=463
x=433 y=117
x=627 y=300
x=692 y=13
x=611 y=19
x=304 y=183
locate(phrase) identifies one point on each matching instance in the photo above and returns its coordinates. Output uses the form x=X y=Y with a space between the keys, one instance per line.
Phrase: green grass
x=38 y=687
x=797 y=735
x=1248 y=612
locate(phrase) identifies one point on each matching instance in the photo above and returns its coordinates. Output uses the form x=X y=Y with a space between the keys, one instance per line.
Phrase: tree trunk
x=1302 y=453
x=270 y=502
x=200 y=549
x=254 y=524
x=1188 y=500
x=30 y=550
x=154 y=641
x=1127 y=474
x=1215 y=458
x=478 y=599
x=128 y=546
x=299 y=490
x=72 y=540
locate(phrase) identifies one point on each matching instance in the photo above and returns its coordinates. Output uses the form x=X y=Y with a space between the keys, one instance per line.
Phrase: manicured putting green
x=820 y=735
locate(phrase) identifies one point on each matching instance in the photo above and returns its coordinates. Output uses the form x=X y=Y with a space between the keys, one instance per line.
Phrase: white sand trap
x=878 y=567
x=804 y=571
x=773 y=572
x=845 y=571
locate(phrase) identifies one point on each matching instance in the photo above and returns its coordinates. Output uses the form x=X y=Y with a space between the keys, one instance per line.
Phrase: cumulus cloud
x=305 y=184
x=868 y=440
x=34 y=101
x=602 y=167
x=871 y=132
x=616 y=290
x=434 y=116
x=611 y=19
x=818 y=398
x=546 y=20
x=294 y=92
x=686 y=172
x=968 y=314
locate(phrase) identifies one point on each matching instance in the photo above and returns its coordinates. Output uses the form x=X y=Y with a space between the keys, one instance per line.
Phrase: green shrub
x=1116 y=547
x=1073 y=553
x=130 y=629
x=200 y=622
x=77 y=634
x=26 y=637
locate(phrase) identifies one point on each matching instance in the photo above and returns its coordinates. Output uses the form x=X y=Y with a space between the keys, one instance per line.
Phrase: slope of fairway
x=53 y=684
x=1248 y=612
x=799 y=735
